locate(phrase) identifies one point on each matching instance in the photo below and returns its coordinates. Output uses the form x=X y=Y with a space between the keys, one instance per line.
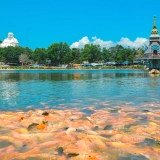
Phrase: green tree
x=75 y=55
x=107 y=56
x=39 y=55
x=65 y=53
x=24 y=59
x=86 y=56
x=58 y=53
x=95 y=52
x=53 y=53
x=10 y=54
x=2 y=55
x=120 y=56
x=139 y=52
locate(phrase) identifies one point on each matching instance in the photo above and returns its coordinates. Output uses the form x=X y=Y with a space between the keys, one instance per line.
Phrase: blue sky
x=39 y=23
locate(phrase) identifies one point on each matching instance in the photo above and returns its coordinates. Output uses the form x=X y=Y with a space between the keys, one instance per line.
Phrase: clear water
x=25 y=89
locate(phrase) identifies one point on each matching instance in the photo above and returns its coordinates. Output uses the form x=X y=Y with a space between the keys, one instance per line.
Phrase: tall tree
x=75 y=55
x=39 y=55
x=2 y=55
x=58 y=52
x=53 y=53
x=95 y=52
x=24 y=59
x=86 y=56
x=65 y=53
x=107 y=56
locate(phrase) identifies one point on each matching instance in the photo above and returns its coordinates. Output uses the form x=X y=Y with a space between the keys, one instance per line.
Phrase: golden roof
x=154 y=30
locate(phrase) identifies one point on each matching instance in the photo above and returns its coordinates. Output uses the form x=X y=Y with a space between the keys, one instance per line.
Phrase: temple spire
x=155 y=22
x=154 y=30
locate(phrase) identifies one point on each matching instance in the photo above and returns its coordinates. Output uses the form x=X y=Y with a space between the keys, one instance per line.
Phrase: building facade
x=152 y=54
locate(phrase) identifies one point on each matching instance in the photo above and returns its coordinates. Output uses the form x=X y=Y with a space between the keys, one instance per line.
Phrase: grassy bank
x=96 y=67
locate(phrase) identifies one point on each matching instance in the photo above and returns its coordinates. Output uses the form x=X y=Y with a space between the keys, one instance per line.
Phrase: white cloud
x=125 y=42
x=139 y=42
x=80 y=43
x=102 y=43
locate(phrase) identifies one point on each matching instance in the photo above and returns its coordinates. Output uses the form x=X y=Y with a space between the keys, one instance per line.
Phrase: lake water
x=28 y=89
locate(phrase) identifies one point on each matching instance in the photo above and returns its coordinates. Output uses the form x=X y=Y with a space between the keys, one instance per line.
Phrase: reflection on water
x=9 y=92
x=21 y=89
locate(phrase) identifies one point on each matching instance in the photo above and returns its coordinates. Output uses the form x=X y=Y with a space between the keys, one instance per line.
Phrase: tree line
x=61 y=53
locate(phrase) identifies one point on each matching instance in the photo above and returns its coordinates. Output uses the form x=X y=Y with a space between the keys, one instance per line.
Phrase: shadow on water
x=66 y=75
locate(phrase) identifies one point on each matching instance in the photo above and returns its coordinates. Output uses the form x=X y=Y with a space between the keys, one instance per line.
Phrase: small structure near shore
x=151 y=56
x=154 y=71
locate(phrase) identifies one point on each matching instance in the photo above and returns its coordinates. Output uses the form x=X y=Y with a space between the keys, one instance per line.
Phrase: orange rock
x=48 y=144
x=92 y=157
x=33 y=151
x=68 y=138
x=80 y=135
x=41 y=126
x=71 y=148
x=117 y=144
x=82 y=146
x=22 y=130
x=62 y=158
x=20 y=119
x=108 y=132
x=10 y=149
x=44 y=137
x=52 y=117
x=11 y=156
x=3 y=155
x=153 y=124
x=148 y=149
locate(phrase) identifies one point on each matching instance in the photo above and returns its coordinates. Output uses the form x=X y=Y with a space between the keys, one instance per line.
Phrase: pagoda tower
x=152 y=53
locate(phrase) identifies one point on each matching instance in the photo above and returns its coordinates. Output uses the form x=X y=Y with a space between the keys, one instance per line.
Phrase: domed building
x=10 y=41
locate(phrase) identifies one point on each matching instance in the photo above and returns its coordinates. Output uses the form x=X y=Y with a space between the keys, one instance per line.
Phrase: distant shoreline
x=85 y=68
x=71 y=69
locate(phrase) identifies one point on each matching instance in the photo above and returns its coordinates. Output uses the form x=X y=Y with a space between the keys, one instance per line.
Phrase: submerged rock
x=95 y=128
x=32 y=126
x=72 y=155
x=150 y=142
x=60 y=151
x=108 y=127
x=154 y=71
x=103 y=134
x=45 y=113
x=5 y=143
x=113 y=110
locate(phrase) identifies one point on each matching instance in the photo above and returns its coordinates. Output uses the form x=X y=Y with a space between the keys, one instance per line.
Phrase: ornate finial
x=154 y=22
x=154 y=30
